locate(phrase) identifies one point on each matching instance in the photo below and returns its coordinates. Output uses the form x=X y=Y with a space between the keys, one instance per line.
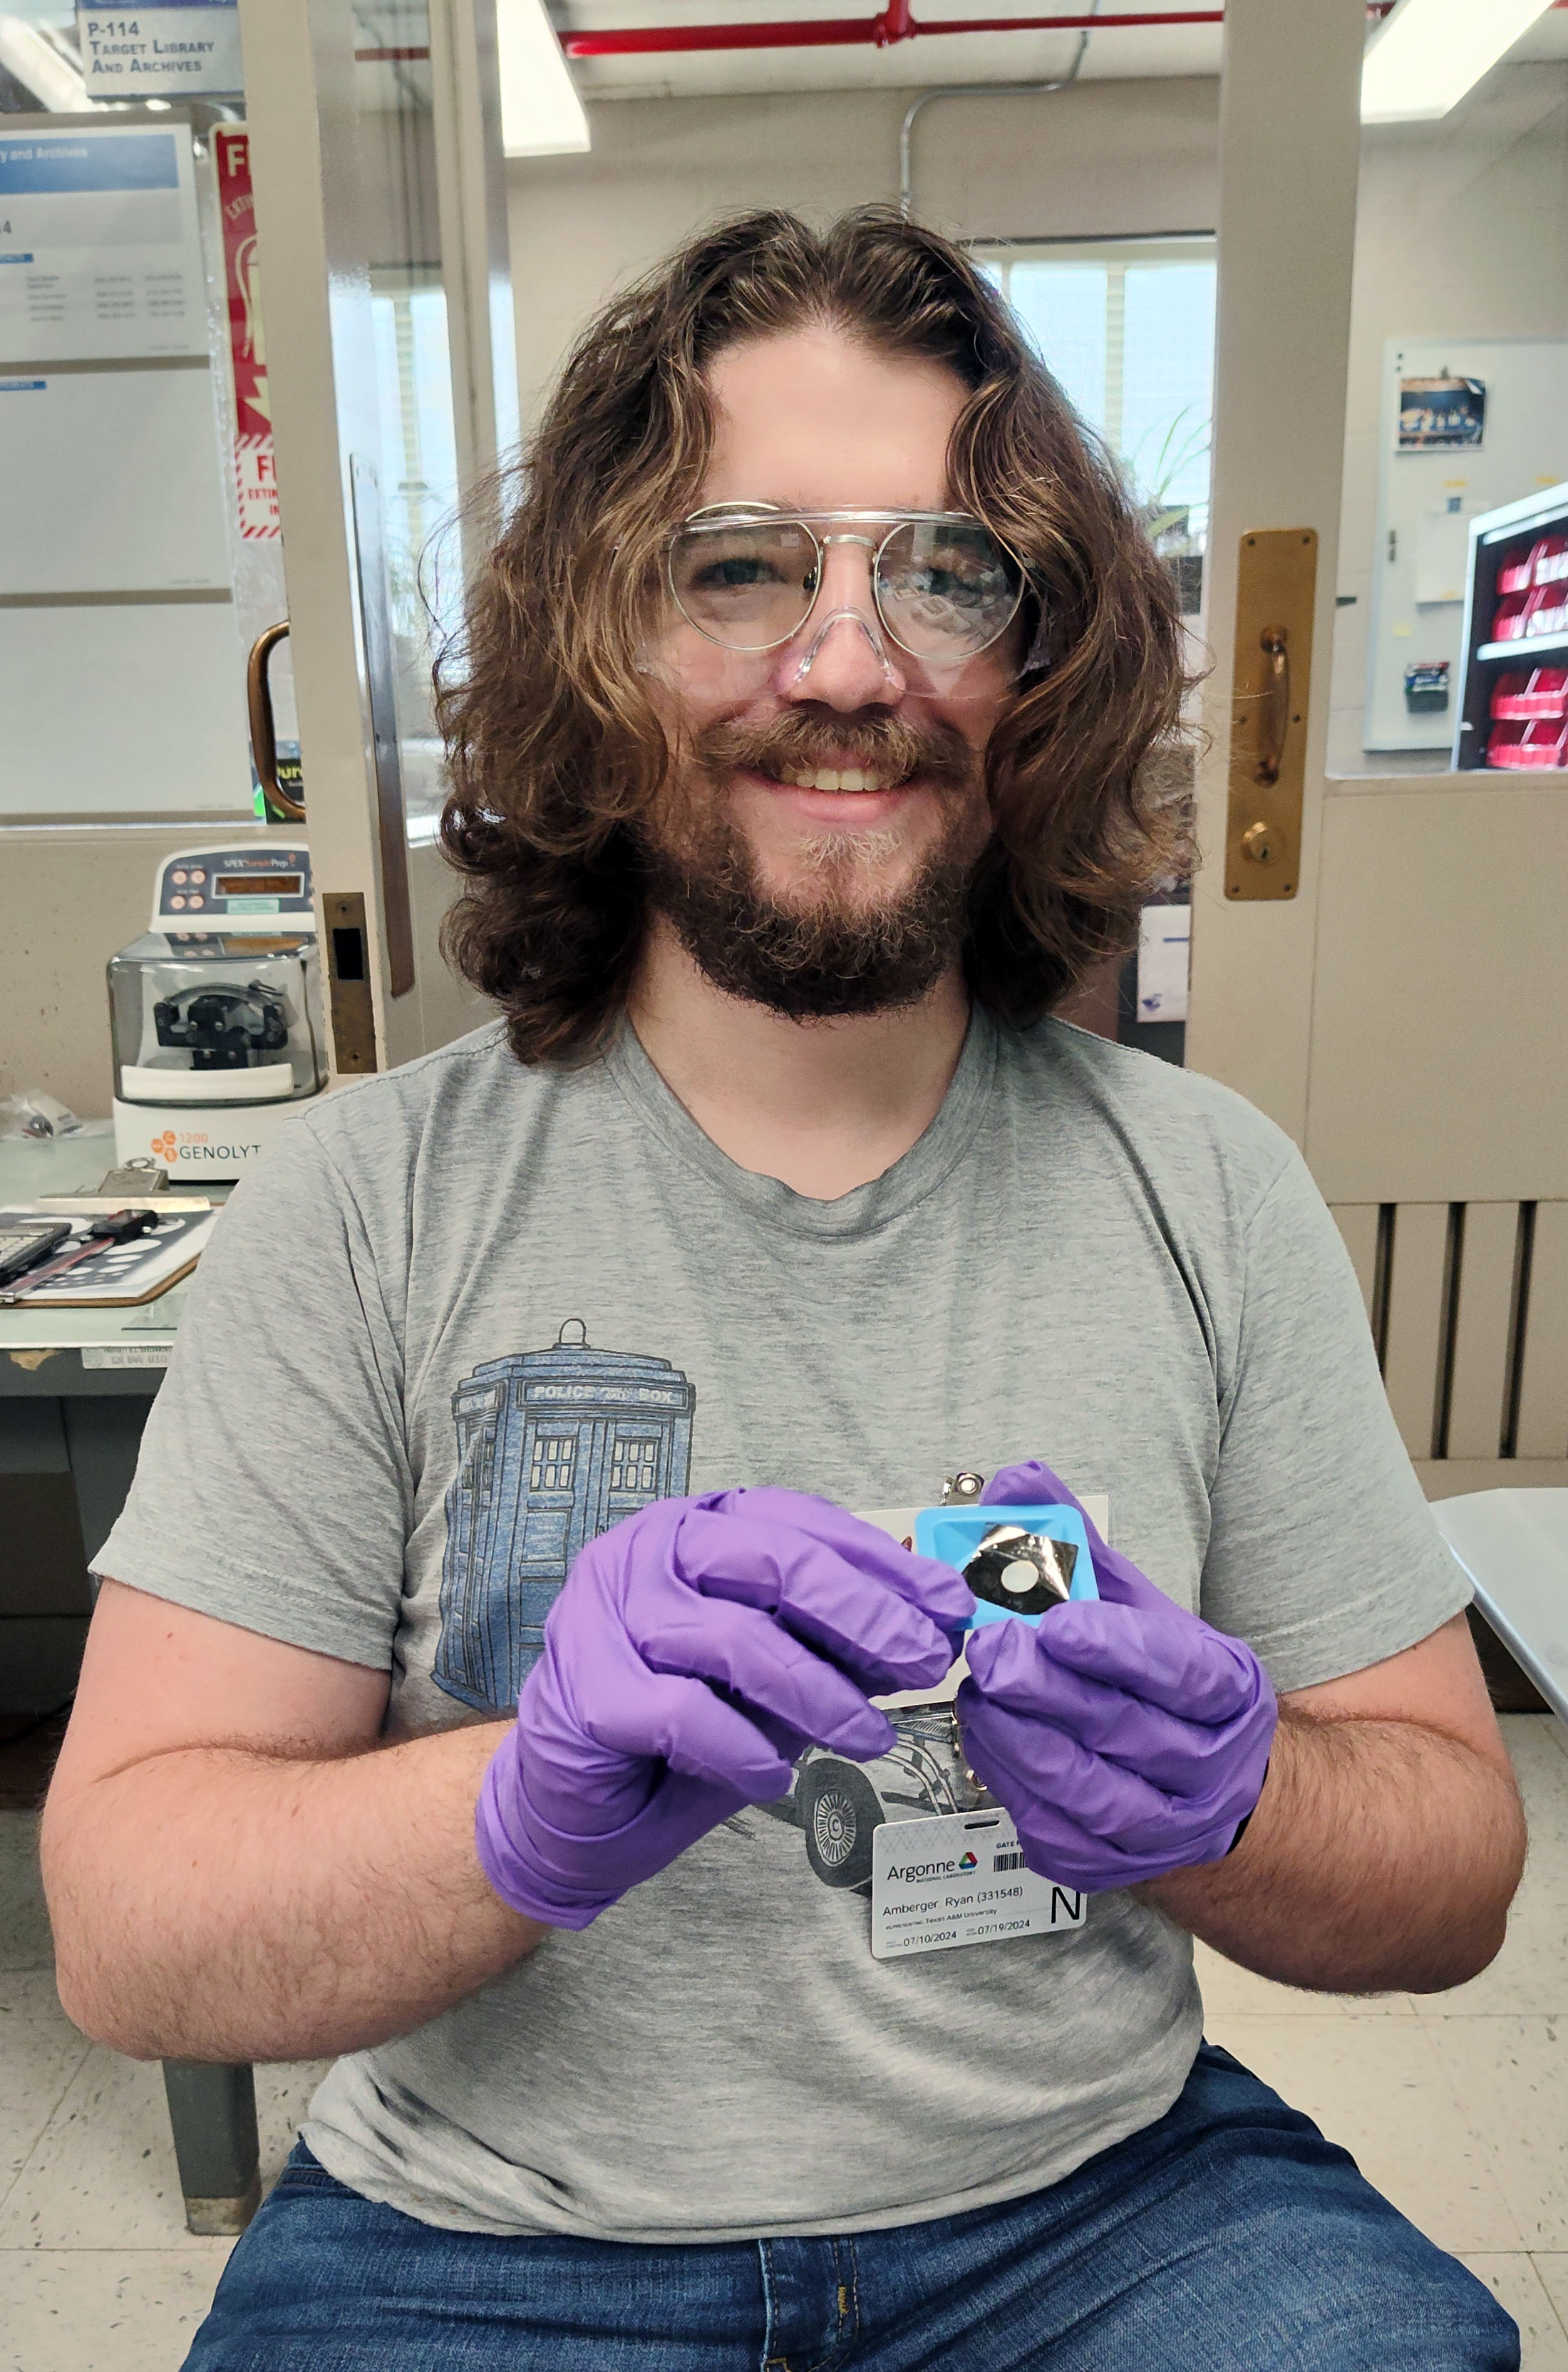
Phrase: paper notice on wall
x=1164 y=935
x=150 y=520
x=1442 y=553
x=99 y=253
x=256 y=484
x=178 y=49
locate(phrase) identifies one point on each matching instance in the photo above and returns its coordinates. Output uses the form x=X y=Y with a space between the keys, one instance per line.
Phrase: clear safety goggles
x=748 y=578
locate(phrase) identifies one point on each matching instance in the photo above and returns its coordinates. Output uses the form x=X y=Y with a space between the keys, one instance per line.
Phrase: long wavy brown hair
x=553 y=743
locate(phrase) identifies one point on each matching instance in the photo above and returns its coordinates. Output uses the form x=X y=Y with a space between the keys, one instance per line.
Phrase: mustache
x=800 y=739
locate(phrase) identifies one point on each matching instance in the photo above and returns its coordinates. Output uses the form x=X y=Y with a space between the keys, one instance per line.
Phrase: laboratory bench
x=76 y=1386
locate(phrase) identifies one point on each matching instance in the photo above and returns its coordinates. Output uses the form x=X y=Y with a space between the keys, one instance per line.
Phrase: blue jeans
x=1230 y=2237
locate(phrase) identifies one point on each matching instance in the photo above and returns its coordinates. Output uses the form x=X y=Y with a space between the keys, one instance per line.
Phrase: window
x=419 y=496
x=634 y=1465
x=554 y=1460
x=1127 y=327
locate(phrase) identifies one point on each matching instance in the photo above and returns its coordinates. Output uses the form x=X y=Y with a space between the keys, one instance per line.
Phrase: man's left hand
x=1126 y=1737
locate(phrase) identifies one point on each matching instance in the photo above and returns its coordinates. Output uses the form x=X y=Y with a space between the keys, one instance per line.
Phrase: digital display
x=259 y=885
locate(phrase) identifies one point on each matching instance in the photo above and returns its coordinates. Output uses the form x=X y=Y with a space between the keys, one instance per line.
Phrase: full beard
x=833 y=949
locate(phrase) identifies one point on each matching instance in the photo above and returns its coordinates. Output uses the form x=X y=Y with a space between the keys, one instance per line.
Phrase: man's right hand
x=695 y=1651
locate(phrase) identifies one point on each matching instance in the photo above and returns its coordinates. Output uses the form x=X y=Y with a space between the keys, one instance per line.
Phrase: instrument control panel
x=234 y=890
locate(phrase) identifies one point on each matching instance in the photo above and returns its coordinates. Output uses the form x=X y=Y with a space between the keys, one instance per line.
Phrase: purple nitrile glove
x=1126 y=1737
x=695 y=1651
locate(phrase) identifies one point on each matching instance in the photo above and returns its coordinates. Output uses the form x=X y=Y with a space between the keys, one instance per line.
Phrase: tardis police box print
x=554 y=1447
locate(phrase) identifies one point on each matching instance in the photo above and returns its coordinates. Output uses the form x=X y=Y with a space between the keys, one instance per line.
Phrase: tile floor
x=1455 y=2104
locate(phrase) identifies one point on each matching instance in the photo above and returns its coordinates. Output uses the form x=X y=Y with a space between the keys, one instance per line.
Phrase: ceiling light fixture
x=54 y=81
x=1427 y=54
x=541 y=114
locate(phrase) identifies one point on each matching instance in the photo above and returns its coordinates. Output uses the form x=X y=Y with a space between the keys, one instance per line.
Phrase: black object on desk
x=114 y=1228
x=25 y=1242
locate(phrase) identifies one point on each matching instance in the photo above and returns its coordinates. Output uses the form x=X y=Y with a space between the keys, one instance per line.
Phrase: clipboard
x=126 y=1274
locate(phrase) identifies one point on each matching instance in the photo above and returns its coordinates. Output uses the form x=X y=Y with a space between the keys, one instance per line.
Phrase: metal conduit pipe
x=960 y=90
x=976 y=90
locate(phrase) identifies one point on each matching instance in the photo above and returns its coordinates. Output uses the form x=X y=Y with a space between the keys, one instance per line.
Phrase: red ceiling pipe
x=895 y=23
x=816 y=32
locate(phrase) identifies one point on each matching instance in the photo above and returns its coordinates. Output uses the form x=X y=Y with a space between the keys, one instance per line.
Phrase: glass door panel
x=126 y=566
x=1457 y=406
x=418 y=457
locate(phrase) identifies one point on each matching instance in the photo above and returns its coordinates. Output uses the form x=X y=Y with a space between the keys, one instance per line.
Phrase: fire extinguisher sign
x=255 y=475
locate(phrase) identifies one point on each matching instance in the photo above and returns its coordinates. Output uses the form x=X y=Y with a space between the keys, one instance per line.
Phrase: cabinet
x=1513 y=714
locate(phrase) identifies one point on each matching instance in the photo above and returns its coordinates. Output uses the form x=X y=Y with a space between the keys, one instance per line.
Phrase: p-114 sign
x=178 y=49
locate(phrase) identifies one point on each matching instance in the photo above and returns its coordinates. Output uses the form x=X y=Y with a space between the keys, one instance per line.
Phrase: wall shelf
x=1525 y=648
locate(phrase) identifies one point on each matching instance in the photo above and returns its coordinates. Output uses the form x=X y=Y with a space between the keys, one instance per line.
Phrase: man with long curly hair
x=514 y=1672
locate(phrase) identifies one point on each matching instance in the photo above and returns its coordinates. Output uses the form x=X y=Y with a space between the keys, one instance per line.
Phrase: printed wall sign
x=100 y=252
x=255 y=473
x=180 y=49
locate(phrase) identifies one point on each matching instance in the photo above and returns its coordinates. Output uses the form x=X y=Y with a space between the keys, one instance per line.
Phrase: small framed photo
x=1442 y=416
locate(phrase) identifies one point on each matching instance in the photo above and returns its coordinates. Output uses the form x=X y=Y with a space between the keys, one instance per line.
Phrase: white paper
x=99 y=251
x=1164 y=937
x=145 y=443
x=1441 y=554
x=937 y=1885
x=108 y=710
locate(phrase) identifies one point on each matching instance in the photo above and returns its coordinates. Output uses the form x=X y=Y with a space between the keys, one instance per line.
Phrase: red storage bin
x=1550 y=558
x=1541 y=743
x=1508 y=618
x=1546 y=609
x=1520 y=574
x=1545 y=743
x=1542 y=693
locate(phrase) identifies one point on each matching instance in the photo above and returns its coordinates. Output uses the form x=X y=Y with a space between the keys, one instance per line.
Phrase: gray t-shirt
x=466 y=1315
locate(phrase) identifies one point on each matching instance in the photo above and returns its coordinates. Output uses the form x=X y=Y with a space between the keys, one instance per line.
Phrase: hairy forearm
x=1382 y=1855
x=210 y=1903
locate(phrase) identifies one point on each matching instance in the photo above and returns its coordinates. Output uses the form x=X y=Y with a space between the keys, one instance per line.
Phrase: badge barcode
x=1010 y=1860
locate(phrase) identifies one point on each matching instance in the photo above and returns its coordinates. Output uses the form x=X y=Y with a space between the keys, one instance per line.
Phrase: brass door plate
x=1276 y=587
x=348 y=982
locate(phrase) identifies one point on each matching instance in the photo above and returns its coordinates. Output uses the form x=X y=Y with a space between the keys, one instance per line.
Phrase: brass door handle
x=263 y=730
x=1276 y=704
x=1269 y=685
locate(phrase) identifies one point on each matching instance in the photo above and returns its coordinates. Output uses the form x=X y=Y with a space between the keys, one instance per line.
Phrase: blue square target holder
x=953 y=1534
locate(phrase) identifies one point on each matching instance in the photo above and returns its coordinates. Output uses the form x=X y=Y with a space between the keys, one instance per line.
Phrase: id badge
x=937 y=1885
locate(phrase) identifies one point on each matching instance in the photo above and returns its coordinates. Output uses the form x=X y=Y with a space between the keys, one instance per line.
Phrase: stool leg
x=212 y=2111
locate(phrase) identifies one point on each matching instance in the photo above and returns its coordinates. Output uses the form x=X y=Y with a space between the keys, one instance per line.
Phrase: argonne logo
x=967 y=1860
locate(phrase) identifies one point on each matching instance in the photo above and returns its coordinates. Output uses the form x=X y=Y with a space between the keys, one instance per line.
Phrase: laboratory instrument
x=216 y=1011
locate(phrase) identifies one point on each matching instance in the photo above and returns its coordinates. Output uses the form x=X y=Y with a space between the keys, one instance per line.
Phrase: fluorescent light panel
x=541 y=114
x=1427 y=54
x=55 y=84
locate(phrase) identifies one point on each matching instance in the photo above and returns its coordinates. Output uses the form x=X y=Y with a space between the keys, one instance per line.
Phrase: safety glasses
x=748 y=576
